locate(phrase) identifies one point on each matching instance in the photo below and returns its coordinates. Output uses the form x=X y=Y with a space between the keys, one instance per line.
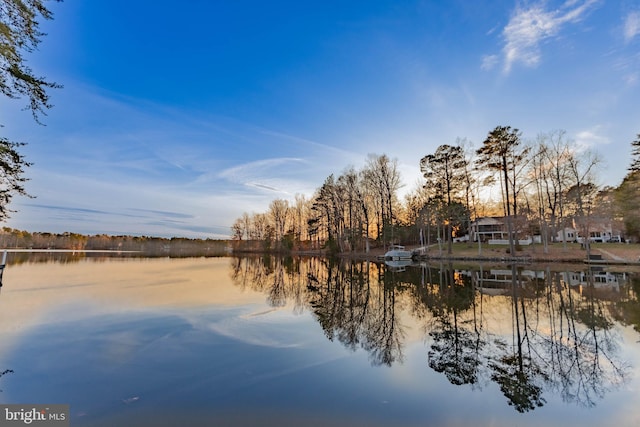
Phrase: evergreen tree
x=635 y=152
x=627 y=197
x=445 y=169
x=501 y=152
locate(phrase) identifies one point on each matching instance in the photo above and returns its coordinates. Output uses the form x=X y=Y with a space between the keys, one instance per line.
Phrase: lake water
x=291 y=342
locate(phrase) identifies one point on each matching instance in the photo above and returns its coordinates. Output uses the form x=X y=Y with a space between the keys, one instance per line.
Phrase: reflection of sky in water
x=120 y=354
x=124 y=366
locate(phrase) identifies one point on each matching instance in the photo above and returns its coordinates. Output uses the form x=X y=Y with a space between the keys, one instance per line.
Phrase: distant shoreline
x=68 y=250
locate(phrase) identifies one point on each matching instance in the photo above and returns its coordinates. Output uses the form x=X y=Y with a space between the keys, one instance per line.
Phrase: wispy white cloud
x=591 y=138
x=324 y=147
x=240 y=172
x=631 y=26
x=261 y=173
x=529 y=27
x=489 y=62
x=631 y=79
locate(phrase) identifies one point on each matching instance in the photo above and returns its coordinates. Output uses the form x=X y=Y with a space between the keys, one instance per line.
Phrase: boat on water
x=397 y=252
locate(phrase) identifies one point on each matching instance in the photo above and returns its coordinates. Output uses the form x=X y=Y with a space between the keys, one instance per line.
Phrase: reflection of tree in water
x=355 y=307
x=277 y=294
x=349 y=299
x=383 y=335
x=562 y=335
x=515 y=370
x=455 y=352
x=627 y=310
x=559 y=342
x=281 y=279
x=516 y=377
x=341 y=304
x=455 y=349
x=580 y=348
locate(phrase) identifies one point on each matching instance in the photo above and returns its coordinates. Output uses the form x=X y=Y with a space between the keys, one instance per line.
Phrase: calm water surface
x=288 y=342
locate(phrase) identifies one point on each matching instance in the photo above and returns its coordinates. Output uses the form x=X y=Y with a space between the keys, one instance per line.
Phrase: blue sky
x=177 y=117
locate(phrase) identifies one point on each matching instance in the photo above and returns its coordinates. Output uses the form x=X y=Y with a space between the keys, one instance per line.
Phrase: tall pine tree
x=635 y=153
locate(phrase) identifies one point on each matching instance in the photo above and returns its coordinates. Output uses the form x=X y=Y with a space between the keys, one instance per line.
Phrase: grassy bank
x=556 y=252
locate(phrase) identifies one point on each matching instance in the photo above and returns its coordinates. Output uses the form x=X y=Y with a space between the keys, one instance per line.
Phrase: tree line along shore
x=146 y=245
x=538 y=188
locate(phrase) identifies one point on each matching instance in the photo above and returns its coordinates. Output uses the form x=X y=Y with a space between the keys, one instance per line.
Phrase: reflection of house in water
x=600 y=279
x=500 y=282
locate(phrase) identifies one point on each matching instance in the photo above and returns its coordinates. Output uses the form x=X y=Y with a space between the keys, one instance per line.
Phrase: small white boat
x=397 y=252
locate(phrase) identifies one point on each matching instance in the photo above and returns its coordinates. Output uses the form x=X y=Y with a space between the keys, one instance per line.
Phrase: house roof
x=489 y=220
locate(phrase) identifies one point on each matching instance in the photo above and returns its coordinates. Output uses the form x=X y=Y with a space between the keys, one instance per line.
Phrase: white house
x=570 y=234
x=488 y=228
x=598 y=232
